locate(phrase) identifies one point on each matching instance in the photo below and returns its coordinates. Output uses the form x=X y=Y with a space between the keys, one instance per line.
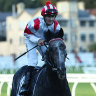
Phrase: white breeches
x=32 y=55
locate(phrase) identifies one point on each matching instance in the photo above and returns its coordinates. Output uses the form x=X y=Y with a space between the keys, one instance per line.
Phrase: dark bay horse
x=49 y=80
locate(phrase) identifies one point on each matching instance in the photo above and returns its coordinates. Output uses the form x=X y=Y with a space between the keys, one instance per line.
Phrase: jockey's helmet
x=49 y=9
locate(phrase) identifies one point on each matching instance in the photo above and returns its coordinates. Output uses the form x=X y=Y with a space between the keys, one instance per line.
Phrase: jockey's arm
x=35 y=39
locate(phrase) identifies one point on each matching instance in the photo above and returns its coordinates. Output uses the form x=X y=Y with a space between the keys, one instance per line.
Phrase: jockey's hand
x=40 y=42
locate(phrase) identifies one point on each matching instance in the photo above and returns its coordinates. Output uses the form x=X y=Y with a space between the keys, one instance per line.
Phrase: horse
x=50 y=79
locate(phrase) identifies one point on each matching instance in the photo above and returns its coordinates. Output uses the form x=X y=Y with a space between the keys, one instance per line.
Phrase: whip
x=25 y=52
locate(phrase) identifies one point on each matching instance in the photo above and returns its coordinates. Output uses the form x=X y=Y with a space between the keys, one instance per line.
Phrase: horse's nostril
x=61 y=75
x=60 y=71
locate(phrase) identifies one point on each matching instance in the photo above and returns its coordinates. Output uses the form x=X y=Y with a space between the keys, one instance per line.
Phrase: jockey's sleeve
x=30 y=35
x=33 y=38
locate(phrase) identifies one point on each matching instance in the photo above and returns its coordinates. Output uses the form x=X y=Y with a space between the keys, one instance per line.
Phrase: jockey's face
x=49 y=19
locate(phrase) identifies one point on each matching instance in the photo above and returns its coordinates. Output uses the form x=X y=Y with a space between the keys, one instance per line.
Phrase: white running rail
x=81 y=78
x=72 y=78
x=8 y=79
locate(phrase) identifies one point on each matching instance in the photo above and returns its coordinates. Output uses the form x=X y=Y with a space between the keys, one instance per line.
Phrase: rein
x=50 y=62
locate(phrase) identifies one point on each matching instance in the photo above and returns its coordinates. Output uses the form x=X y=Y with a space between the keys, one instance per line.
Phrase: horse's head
x=56 y=56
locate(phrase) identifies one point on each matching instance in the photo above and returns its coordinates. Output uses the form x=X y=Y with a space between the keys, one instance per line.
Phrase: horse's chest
x=46 y=84
x=48 y=81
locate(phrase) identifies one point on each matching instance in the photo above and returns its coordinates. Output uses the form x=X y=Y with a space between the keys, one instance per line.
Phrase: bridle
x=49 y=60
x=49 y=63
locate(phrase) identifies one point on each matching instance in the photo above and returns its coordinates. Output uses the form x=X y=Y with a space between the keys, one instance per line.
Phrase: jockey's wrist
x=40 y=42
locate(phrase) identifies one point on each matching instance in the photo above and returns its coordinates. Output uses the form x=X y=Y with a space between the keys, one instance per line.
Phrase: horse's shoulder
x=39 y=71
x=20 y=72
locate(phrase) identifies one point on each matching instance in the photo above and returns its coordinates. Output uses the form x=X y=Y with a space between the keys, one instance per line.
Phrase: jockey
x=34 y=34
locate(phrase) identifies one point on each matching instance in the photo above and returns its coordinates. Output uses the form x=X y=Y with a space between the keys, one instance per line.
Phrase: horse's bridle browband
x=55 y=39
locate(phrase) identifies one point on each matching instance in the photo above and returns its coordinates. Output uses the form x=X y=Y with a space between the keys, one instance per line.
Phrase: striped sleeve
x=30 y=30
x=56 y=26
x=27 y=31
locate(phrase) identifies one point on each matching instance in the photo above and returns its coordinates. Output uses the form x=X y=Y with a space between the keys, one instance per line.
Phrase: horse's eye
x=61 y=47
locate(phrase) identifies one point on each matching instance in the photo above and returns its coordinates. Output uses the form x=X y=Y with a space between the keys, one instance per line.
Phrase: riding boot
x=25 y=88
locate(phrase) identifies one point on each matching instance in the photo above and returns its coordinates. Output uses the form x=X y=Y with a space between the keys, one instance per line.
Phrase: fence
x=72 y=78
x=81 y=78
x=6 y=78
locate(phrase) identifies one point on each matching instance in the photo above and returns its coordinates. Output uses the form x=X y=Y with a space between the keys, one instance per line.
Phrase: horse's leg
x=25 y=88
x=16 y=80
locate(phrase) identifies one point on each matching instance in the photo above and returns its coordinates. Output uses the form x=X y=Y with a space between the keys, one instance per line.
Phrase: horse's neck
x=52 y=74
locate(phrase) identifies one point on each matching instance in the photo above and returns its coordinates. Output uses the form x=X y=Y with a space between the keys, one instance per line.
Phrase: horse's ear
x=61 y=33
x=47 y=36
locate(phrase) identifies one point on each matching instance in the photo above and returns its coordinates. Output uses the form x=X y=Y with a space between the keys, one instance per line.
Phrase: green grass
x=74 y=69
x=83 y=89
x=8 y=71
x=4 y=90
